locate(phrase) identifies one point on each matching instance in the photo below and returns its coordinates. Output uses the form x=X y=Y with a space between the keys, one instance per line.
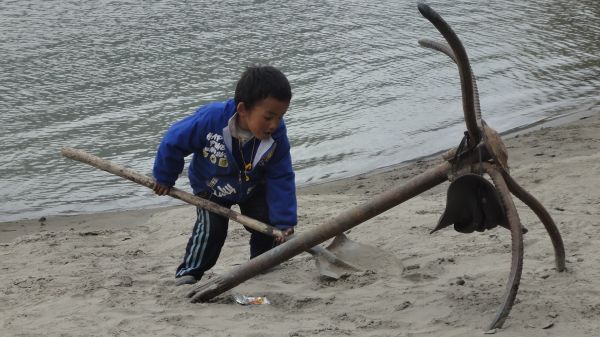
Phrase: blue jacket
x=206 y=135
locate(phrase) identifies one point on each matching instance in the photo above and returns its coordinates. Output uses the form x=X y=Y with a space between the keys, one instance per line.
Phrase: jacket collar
x=264 y=144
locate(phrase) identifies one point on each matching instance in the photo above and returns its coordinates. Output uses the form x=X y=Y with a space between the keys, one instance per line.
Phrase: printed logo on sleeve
x=215 y=150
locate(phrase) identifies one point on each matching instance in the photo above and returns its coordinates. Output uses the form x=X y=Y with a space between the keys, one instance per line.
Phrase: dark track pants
x=210 y=230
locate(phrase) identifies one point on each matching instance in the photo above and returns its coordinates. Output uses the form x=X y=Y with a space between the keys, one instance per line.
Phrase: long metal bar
x=329 y=229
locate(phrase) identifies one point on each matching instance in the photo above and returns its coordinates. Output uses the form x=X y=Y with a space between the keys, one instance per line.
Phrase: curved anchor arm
x=466 y=78
x=445 y=48
x=543 y=215
x=516 y=266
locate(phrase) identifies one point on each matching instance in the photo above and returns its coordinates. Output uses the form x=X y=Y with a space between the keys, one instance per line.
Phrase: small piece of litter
x=250 y=300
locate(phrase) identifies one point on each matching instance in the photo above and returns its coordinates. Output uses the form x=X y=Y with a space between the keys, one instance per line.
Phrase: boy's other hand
x=283 y=238
x=161 y=189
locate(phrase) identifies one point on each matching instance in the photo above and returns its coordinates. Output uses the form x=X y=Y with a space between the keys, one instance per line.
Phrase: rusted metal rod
x=545 y=218
x=445 y=48
x=464 y=68
x=329 y=229
x=516 y=234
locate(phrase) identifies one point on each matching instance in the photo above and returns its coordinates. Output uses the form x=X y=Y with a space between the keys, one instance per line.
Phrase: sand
x=111 y=274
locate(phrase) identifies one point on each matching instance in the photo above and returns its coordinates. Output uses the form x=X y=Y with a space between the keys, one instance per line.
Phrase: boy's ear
x=241 y=108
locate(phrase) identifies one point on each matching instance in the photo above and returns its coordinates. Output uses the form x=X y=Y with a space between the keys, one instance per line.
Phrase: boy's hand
x=286 y=233
x=161 y=189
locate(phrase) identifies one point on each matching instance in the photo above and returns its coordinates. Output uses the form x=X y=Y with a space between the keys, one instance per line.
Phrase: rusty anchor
x=490 y=204
x=484 y=206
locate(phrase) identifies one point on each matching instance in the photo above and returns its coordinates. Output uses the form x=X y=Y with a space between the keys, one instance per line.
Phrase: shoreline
x=12 y=229
x=544 y=123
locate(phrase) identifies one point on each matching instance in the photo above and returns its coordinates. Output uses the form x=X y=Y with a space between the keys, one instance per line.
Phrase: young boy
x=241 y=155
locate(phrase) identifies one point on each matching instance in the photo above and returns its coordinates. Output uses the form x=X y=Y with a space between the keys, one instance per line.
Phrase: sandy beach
x=112 y=274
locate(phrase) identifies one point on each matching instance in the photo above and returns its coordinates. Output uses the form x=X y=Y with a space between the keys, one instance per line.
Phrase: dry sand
x=112 y=274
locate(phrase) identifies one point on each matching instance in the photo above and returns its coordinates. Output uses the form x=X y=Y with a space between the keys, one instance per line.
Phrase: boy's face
x=264 y=117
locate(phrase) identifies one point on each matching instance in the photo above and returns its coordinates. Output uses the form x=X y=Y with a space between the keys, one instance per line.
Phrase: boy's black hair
x=259 y=82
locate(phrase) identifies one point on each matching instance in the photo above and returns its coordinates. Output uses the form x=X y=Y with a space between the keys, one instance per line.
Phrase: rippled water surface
x=111 y=76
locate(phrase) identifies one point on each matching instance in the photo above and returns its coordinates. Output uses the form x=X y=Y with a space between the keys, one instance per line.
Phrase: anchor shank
x=329 y=229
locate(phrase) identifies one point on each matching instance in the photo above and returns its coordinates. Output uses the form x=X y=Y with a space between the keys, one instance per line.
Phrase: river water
x=110 y=77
